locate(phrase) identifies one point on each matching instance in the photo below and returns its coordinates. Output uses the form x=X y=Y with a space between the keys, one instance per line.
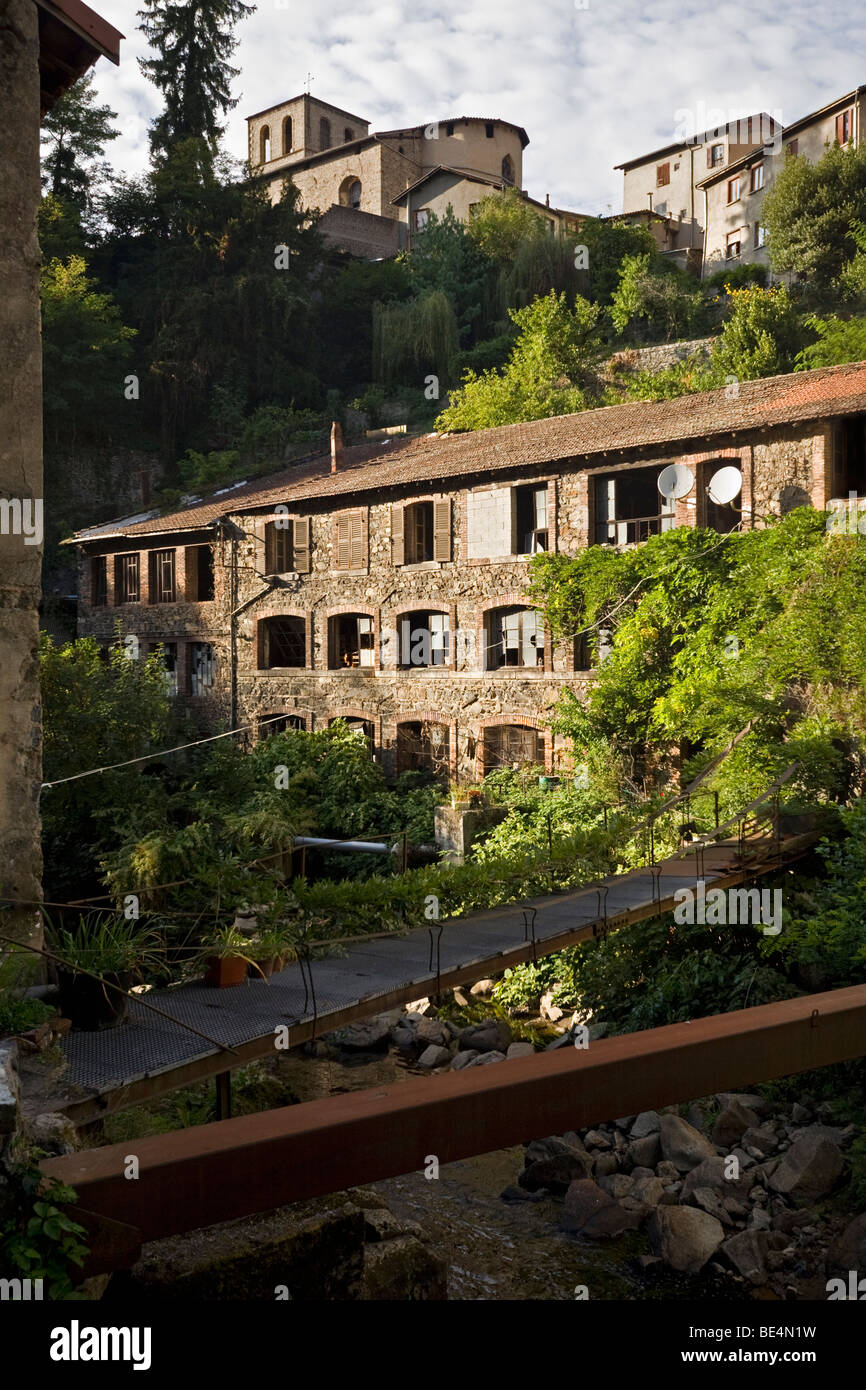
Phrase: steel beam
x=234 y=1168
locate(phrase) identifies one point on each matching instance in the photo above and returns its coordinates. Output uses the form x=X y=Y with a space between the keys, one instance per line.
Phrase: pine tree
x=75 y=133
x=193 y=42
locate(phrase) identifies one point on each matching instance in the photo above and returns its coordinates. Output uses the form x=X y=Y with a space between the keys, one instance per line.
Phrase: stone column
x=20 y=471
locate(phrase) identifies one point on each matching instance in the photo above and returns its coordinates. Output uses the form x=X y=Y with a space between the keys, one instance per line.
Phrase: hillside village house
x=734 y=194
x=375 y=190
x=387 y=585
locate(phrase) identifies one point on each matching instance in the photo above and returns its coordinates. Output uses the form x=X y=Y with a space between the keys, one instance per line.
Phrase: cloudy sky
x=594 y=82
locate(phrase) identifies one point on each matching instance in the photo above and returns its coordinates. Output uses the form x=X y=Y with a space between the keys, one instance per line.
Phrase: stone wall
x=20 y=467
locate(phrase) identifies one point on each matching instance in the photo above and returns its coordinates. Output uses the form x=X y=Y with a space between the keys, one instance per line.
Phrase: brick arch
x=305 y=617
x=397 y=611
x=514 y=599
x=522 y=721
x=353 y=712
x=336 y=610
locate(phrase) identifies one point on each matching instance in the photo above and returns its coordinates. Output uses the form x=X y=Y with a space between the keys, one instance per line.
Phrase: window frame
x=162 y=576
x=296 y=637
x=663 y=174
x=99 y=581
x=756 y=177
x=127 y=564
x=495 y=638
x=737 y=183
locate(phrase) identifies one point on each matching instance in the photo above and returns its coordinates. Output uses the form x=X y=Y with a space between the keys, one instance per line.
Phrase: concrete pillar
x=20 y=470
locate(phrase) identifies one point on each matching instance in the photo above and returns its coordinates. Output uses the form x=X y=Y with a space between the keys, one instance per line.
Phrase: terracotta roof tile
x=640 y=424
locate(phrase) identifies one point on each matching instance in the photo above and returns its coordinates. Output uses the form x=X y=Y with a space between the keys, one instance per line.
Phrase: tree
x=548 y=373
x=761 y=336
x=194 y=41
x=85 y=345
x=809 y=212
x=608 y=243
x=667 y=299
x=445 y=257
x=75 y=134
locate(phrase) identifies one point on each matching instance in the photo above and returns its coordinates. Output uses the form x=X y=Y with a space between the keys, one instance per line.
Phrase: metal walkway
x=149 y=1056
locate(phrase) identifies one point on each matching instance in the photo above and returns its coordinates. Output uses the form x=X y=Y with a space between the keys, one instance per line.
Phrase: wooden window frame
x=756 y=178
x=128 y=564
x=266 y=636
x=735 y=182
x=497 y=616
x=162 y=576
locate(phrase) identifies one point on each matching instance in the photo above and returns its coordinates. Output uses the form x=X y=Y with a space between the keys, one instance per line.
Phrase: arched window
x=351 y=638
x=282 y=642
x=350 y=192
x=422 y=747
x=424 y=639
x=515 y=637
x=287 y=135
x=512 y=746
x=264 y=144
x=508 y=169
x=324 y=133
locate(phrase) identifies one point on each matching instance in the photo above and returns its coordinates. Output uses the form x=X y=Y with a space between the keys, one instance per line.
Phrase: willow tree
x=416 y=339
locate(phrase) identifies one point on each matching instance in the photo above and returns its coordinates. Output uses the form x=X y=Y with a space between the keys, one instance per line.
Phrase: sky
x=593 y=82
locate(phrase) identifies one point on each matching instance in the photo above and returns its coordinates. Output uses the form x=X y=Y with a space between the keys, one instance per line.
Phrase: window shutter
x=270 y=548
x=840 y=127
x=343 y=542
x=552 y=543
x=398 y=535
x=442 y=529
x=302 y=558
x=356 y=541
x=709 y=156
x=260 y=557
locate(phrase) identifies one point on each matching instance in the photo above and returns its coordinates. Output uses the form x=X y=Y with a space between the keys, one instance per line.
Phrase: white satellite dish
x=675 y=481
x=725 y=485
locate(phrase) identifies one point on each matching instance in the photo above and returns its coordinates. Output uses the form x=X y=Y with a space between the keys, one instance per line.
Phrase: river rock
x=709 y=1201
x=520 y=1049
x=685 y=1237
x=616 y=1185
x=591 y=1212
x=431 y=1031
x=595 y=1139
x=605 y=1164
x=747 y=1253
x=649 y=1191
x=404 y=1037
x=552 y=1012
x=434 y=1056
x=682 y=1144
x=747 y=1098
x=570 y=1144
x=483 y=989
x=799 y=1114
x=493 y=1035
x=463 y=1059
x=485 y=1059
x=646 y=1123
x=760 y=1138
x=732 y=1123
x=810 y=1169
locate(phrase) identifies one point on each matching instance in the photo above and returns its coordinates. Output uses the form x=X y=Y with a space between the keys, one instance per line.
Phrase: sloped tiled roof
x=799 y=396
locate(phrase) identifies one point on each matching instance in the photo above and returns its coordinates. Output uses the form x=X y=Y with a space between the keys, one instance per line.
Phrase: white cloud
x=591 y=86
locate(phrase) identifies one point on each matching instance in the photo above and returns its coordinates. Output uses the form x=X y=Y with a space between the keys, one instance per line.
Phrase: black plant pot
x=89 y=1004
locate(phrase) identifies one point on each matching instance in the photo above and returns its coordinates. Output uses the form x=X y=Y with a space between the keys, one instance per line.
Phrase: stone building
x=388 y=586
x=374 y=190
x=734 y=193
x=668 y=181
x=46 y=46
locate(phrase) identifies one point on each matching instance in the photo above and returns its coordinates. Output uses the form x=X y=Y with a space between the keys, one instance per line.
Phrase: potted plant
x=226 y=957
x=99 y=961
x=267 y=950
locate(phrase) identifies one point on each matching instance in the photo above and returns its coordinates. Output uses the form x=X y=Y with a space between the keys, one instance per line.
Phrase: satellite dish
x=675 y=481
x=725 y=485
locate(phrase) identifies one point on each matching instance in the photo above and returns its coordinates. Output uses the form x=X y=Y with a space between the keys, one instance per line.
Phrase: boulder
x=685 y=1237
x=746 y=1253
x=404 y=1037
x=555 y=1174
x=569 y=1144
x=493 y=1035
x=667 y=1171
x=483 y=989
x=591 y=1212
x=605 y=1165
x=711 y=1173
x=799 y=1114
x=682 y=1144
x=646 y=1123
x=707 y=1199
x=463 y=1059
x=617 y=1185
x=595 y=1139
x=520 y=1049
x=810 y=1169
x=761 y=1138
x=434 y=1056
x=732 y=1123
x=56 y=1134
x=402 y=1268
x=649 y=1191
x=746 y=1098
x=644 y=1152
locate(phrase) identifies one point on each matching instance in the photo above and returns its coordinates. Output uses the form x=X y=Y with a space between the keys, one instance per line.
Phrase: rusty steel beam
x=235 y=1168
x=90 y=1109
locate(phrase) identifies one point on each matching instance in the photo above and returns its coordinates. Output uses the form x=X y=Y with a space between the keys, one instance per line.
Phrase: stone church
x=375 y=190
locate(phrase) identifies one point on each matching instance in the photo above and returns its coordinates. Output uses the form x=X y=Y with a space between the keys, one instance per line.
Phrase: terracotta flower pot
x=259 y=968
x=224 y=971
